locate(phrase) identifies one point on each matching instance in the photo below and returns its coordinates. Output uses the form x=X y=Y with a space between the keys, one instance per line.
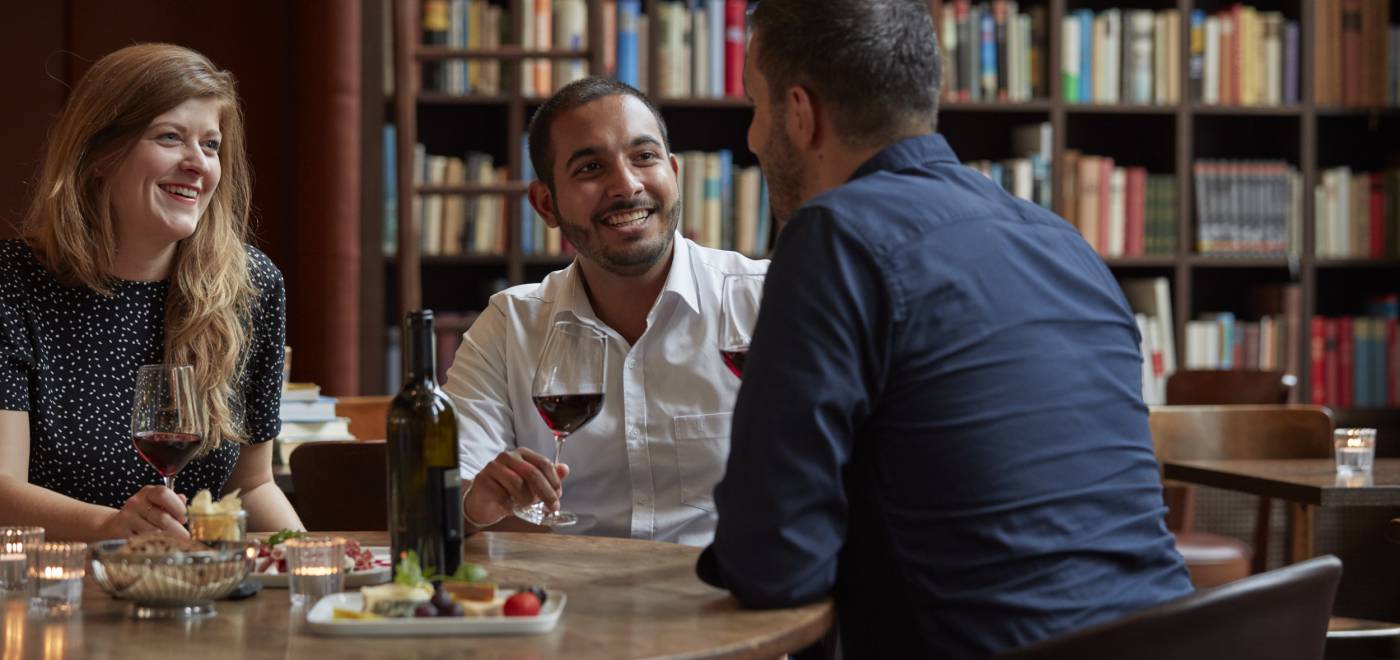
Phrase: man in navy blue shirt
x=941 y=421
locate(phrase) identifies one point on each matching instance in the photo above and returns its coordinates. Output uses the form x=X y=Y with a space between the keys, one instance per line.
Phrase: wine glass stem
x=558 y=446
x=170 y=482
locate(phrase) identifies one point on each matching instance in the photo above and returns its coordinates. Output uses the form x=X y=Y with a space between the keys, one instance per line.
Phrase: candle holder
x=315 y=567
x=18 y=550
x=1355 y=450
x=211 y=527
x=57 y=575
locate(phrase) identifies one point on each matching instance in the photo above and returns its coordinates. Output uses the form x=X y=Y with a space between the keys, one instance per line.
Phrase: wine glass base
x=537 y=515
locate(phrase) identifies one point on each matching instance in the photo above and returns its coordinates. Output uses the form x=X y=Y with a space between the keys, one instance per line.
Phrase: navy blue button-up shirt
x=941 y=423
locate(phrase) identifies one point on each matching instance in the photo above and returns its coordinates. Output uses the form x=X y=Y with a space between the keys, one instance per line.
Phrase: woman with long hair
x=135 y=252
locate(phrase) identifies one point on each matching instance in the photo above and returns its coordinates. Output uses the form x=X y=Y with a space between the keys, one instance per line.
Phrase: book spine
x=734 y=48
x=628 y=13
x=1290 y=63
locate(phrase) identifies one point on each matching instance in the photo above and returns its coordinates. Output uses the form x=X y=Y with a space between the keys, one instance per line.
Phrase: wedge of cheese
x=482 y=608
x=474 y=591
x=394 y=600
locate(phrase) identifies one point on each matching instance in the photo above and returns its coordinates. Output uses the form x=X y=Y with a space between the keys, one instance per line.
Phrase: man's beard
x=638 y=256
x=784 y=171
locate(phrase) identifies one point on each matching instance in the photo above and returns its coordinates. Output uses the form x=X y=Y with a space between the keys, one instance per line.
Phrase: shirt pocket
x=702 y=448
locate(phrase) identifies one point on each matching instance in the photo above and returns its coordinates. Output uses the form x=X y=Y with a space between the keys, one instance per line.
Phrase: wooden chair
x=341 y=486
x=369 y=415
x=1232 y=386
x=1240 y=432
x=1281 y=615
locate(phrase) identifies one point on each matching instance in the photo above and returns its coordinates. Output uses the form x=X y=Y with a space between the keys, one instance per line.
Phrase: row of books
x=475 y=24
x=700 y=48
x=1221 y=341
x=1247 y=207
x=1122 y=211
x=307 y=417
x=1356 y=361
x=1361 y=64
x=1358 y=214
x=1243 y=56
x=1151 y=302
x=459 y=224
x=724 y=205
x=1121 y=56
x=993 y=51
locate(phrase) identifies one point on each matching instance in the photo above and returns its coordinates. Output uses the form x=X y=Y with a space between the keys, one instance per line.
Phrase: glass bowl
x=172 y=584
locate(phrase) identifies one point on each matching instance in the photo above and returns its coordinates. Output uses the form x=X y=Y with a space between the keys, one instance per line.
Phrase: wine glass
x=740 y=296
x=568 y=391
x=165 y=419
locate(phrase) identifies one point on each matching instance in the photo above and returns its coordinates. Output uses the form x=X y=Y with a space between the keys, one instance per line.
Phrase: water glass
x=315 y=567
x=18 y=551
x=1355 y=449
x=57 y=574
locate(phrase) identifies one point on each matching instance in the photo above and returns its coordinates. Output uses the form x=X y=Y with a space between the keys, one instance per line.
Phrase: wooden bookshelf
x=1168 y=138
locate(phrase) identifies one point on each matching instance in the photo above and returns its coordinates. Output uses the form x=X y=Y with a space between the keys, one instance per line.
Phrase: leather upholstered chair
x=1281 y=615
x=341 y=486
x=1228 y=386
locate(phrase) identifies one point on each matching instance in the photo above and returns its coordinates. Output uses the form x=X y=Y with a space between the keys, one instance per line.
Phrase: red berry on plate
x=522 y=604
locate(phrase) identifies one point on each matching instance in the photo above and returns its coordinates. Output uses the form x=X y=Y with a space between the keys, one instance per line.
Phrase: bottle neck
x=419 y=352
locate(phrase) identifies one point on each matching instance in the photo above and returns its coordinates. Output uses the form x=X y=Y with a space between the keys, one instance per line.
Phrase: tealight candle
x=317 y=568
x=17 y=546
x=1355 y=449
x=58 y=578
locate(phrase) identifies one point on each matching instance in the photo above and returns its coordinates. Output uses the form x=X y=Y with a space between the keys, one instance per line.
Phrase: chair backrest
x=1228 y=386
x=368 y=415
x=1241 y=432
x=1281 y=615
x=341 y=486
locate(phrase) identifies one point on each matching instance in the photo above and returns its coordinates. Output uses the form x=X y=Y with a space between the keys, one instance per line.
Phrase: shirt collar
x=680 y=283
x=927 y=148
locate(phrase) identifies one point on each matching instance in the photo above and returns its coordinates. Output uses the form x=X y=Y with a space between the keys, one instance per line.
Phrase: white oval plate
x=320 y=620
x=376 y=575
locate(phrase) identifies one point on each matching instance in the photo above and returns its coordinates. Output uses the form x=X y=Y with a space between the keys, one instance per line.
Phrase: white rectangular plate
x=320 y=620
x=376 y=575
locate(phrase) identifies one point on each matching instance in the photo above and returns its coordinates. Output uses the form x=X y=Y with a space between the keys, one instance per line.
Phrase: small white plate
x=377 y=575
x=320 y=620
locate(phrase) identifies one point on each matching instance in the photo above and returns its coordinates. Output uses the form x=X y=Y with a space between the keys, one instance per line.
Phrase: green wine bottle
x=424 y=486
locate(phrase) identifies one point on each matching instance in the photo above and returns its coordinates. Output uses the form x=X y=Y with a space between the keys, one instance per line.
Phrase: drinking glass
x=316 y=568
x=19 y=550
x=740 y=296
x=567 y=391
x=57 y=574
x=165 y=419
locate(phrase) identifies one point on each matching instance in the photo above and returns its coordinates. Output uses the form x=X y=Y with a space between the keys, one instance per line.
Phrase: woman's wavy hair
x=69 y=222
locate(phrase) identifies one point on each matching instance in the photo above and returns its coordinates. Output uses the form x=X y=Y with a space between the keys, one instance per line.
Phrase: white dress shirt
x=647 y=465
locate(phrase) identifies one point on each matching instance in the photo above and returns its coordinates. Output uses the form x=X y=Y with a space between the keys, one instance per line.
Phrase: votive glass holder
x=315 y=568
x=18 y=551
x=1355 y=449
x=57 y=575
x=212 y=527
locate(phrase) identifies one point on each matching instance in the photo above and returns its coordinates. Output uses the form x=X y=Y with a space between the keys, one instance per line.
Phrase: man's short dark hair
x=875 y=63
x=575 y=94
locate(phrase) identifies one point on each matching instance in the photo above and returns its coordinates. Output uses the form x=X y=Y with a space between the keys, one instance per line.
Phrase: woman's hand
x=151 y=509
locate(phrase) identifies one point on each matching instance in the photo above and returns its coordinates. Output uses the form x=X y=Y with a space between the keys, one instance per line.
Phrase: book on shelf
x=294 y=434
x=1357 y=214
x=454 y=224
x=995 y=52
x=1247 y=207
x=1122 y=211
x=700 y=48
x=300 y=392
x=1241 y=56
x=1356 y=359
x=1359 y=69
x=321 y=409
x=1121 y=56
x=1150 y=299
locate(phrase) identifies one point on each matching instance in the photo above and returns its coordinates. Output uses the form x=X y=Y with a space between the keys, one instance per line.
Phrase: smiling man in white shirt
x=646 y=466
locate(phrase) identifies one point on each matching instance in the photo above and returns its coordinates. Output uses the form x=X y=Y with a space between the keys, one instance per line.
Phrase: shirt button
x=643 y=500
x=631 y=364
x=632 y=433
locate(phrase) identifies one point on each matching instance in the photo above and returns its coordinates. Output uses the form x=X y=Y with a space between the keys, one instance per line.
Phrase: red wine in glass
x=735 y=360
x=166 y=452
x=166 y=418
x=564 y=413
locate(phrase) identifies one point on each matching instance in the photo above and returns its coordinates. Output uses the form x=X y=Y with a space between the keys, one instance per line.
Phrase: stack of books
x=308 y=417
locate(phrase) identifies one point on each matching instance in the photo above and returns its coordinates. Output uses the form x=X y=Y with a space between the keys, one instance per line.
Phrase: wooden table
x=626 y=599
x=1306 y=483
